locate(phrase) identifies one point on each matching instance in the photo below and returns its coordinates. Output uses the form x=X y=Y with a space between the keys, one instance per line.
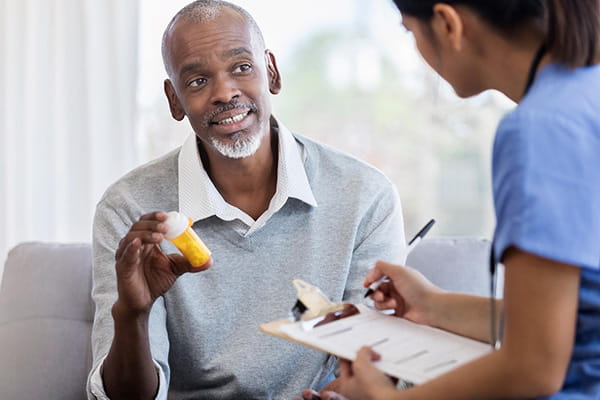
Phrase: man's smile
x=232 y=119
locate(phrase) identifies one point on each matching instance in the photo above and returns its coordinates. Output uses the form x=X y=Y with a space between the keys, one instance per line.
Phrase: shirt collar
x=200 y=199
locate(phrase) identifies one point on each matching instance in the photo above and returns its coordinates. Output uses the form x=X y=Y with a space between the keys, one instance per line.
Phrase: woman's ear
x=448 y=26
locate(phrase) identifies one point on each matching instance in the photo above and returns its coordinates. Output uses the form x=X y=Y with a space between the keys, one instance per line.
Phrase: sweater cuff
x=97 y=383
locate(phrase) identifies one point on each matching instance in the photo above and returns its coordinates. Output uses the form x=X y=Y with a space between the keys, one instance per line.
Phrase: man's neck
x=248 y=183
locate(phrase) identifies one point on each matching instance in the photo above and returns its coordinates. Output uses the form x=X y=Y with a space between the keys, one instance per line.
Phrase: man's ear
x=174 y=104
x=448 y=25
x=273 y=71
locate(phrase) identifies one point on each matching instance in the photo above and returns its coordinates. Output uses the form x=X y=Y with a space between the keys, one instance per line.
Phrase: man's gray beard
x=239 y=148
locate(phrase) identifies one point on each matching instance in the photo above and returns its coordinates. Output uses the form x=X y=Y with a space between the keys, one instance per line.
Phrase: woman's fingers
x=332 y=396
x=367 y=354
x=345 y=369
x=309 y=394
x=380 y=270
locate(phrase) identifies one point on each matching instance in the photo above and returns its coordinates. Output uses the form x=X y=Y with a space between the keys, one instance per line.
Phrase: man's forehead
x=227 y=21
x=227 y=32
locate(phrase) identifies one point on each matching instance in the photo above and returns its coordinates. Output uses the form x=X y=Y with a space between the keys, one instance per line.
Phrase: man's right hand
x=144 y=271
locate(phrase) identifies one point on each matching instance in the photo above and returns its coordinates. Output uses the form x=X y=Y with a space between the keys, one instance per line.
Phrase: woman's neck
x=510 y=65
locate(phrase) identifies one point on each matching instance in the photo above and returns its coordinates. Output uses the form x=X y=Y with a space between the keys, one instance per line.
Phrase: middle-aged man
x=272 y=206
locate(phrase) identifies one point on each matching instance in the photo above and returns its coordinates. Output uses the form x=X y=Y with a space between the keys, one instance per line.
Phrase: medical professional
x=543 y=55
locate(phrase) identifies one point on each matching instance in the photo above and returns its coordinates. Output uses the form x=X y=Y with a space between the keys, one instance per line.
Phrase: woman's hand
x=358 y=380
x=408 y=292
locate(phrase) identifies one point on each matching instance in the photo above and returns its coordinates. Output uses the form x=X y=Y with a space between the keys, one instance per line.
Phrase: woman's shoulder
x=559 y=90
x=553 y=134
x=562 y=105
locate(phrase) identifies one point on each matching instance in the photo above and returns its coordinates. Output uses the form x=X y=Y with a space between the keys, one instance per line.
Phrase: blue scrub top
x=546 y=182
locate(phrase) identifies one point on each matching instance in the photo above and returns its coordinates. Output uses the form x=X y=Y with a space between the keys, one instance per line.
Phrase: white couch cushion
x=45 y=322
x=455 y=264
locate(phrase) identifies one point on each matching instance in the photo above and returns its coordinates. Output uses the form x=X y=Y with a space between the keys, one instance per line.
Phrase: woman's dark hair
x=573 y=26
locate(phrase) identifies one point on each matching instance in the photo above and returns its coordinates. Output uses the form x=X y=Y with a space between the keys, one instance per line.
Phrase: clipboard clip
x=314 y=309
x=311 y=303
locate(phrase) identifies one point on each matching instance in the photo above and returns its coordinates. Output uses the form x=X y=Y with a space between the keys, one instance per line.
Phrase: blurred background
x=81 y=103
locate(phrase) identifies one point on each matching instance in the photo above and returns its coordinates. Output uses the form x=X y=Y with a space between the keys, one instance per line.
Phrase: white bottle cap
x=176 y=223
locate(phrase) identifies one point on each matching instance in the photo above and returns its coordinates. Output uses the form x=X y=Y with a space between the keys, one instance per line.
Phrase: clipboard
x=411 y=352
x=274 y=328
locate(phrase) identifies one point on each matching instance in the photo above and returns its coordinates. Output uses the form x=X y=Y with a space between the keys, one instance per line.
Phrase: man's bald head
x=201 y=11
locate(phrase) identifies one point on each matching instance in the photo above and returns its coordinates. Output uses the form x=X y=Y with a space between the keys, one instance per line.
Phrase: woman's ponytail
x=573 y=36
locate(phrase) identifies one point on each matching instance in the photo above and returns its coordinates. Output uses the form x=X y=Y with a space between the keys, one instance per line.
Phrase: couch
x=46 y=310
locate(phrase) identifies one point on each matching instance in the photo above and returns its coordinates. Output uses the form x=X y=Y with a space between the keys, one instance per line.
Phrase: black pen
x=411 y=245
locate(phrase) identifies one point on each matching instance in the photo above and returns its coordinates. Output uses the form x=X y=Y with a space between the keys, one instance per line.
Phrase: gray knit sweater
x=204 y=331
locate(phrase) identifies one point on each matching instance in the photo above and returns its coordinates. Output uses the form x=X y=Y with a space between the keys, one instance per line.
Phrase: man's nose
x=224 y=90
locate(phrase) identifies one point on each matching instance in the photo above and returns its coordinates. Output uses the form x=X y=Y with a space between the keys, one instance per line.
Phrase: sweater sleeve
x=380 y=236
x=110 y=225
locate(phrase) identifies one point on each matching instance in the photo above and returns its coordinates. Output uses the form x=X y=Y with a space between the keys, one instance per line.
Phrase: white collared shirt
x=200 y=199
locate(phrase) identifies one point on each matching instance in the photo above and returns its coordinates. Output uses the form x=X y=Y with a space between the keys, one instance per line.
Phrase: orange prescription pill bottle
x=181 y=234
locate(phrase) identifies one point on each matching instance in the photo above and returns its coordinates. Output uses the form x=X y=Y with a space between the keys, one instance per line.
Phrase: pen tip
x=369 y=292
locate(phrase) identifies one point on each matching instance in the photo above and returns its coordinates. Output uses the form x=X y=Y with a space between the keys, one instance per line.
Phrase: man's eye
x=197 y=82
x=243 y=68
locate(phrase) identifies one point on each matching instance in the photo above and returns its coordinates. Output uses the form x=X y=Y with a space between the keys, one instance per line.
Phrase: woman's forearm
x=463 y=314
x=498 y=375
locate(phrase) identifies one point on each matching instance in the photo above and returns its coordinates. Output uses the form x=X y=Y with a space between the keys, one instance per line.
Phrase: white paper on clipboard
x=412 y=352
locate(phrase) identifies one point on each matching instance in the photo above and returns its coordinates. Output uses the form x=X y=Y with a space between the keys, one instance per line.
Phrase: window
x=352 y=78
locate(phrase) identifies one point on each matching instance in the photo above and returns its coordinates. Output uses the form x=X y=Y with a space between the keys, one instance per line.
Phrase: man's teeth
x=235 y=118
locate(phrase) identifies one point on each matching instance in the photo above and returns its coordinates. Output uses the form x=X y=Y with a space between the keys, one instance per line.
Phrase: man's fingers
x=149 y=225
x=143 y=237
x=146 y=236
x=204 y=266
x=129 y=254
x=149 y=229
x=181 y=265
x=156 y=215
